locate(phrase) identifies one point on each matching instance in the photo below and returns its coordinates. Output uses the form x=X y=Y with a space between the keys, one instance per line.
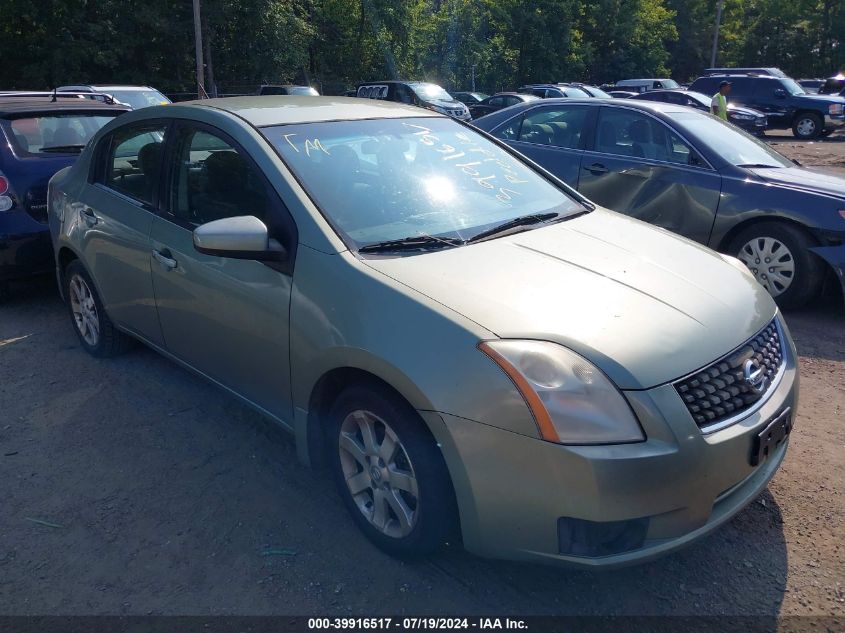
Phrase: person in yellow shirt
x=719 y=104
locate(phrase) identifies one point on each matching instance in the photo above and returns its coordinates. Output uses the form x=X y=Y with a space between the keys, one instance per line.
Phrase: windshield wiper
x=63 y=148
x=412 y=243
x=758 y=166
x=525 y=220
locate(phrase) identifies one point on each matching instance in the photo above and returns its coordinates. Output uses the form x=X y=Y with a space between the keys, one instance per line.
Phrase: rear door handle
x=165 y=259
x=88 y=216
x=596 y=168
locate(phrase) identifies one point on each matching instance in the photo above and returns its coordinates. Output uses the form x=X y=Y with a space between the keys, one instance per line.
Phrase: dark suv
x=785 y=103
x=39 y=135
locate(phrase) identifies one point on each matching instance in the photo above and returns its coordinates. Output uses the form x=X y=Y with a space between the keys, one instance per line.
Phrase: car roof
x=103 y=87
x=24 y=105
x=261 y=111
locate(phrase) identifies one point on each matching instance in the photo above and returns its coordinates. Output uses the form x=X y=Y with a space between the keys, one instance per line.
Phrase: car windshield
x=575 y=93
x=792 y=87
x=49 y=134
x=139 y=98
x=732 y=144
x=431 y=92
x=392 y=179
x=699 y=96
x=307 y=91
x=597 y=93
x=670 y=84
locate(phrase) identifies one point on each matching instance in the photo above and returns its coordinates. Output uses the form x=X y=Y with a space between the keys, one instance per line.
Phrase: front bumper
x=832 y=122
x=835 y=257
x=512 y=490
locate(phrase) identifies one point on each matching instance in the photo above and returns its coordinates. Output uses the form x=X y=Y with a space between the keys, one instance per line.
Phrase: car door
x=768 y=96
x=227 y=318
x=637 y=165
x=115 y=215
x=551 y=136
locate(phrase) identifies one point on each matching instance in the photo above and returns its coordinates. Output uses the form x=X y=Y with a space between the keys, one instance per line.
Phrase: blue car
x=39 y=135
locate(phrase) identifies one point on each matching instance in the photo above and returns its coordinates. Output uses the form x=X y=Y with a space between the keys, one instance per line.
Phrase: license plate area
x=766 y=441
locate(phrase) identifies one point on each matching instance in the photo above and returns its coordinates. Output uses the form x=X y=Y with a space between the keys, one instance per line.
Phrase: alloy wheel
x=771 y=262
x=379 y=474
x=84 y=310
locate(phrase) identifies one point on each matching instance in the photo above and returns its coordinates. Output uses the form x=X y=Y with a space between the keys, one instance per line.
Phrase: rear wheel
x=390 y=472
x=779 y=257
x=95 y=330
x=807 y=125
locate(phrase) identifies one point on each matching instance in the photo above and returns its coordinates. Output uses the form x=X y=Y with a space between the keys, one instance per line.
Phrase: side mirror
x=780 y=93
x=239 y=237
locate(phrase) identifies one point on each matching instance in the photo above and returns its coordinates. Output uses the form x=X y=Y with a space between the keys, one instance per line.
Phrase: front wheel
x=807 y=125
x=779 y=257
x=390 y=472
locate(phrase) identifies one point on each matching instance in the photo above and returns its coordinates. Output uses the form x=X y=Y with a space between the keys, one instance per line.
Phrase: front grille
x=721 y=390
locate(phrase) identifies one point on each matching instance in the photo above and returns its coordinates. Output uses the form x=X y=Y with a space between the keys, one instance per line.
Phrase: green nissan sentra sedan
x=472 y=348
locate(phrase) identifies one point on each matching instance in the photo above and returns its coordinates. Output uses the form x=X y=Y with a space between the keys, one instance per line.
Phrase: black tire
x=807 y=125
x=109 y=341
x=435 y=510
x=808 y=269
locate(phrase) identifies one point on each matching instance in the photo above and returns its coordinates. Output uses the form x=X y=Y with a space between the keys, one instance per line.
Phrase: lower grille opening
x=578 y=537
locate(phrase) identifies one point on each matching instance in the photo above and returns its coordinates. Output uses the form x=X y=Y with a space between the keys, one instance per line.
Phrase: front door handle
x=165 y=259
x=596 y=168
x=88 y=215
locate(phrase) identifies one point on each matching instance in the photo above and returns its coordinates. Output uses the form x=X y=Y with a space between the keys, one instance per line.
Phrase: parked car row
x=457 y=334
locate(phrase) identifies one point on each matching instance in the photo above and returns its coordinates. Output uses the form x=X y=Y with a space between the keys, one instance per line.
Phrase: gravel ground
x=129 y=486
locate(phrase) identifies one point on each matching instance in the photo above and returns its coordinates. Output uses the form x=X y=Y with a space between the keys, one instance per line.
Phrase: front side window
x=213 y=180
x=133 y=161
x=51 y=134
x=792 y=87
x=557 y=127
x=390 y=179
x=729 y=142
x=629 y=133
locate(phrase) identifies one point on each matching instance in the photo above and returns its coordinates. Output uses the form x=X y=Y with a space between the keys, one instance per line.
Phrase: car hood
x=818 y=97
x=744 y=110
x=448 y=105
x=802 y=178
x=644 y=305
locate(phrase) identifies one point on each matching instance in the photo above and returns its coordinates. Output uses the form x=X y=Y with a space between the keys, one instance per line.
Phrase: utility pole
x=201 y=93
x=720 y=4
x=473 y=77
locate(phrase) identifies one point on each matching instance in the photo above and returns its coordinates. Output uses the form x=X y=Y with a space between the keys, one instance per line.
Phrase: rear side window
x=133 y=161
x=705 y=85
x=555 y=127
x=743 y=87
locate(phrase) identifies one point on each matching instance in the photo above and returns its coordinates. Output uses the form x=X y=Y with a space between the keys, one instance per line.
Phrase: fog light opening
x=577 y=537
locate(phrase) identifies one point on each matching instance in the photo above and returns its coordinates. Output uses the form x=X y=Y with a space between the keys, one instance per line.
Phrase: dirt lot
x=129 y=486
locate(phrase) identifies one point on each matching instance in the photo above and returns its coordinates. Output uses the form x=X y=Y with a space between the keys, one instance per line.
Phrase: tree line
x=333 y=44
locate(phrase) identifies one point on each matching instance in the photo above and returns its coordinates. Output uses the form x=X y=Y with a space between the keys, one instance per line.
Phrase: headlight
x=742 y=117
x=835 y=108
x=572 y=401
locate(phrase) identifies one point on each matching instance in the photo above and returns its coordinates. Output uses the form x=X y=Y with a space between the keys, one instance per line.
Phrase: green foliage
x=333 y=44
